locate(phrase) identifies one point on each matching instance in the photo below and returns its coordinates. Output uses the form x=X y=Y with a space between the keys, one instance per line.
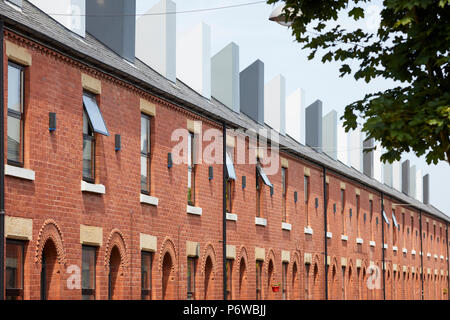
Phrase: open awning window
x=230 y=168
x=264 y=176
x=394 y=219
x=385 y=217
x=95 y=116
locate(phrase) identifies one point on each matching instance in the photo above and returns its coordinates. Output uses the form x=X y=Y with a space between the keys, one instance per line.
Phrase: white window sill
x=395 y=248
x=344 y=237
x=442 y=257
x=413 y=252
x=428 y=255
x=194 y=210
x=372 y=243
x=329 y=235
x=405 y=251
x=359 y=241
x=260 y=221
x=149 y=200
x=308 y=230
x=286 y=226
x=94 y=188
x=232 y=217
x=385 y=246
x=18 y=172
x=436 y=256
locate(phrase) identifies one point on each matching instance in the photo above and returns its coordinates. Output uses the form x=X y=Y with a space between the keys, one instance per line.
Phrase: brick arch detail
x=168 y=246
x=316 y=261
x=209 y=252
x=270 y=257
x=50 y=231
x=295 y=259
x=116 y=239
x=242 y=254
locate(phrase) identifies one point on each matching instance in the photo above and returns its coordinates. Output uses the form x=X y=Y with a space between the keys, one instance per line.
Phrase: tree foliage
x=411 y=46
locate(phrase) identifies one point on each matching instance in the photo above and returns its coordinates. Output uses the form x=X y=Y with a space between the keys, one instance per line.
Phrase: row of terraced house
x=99 y=206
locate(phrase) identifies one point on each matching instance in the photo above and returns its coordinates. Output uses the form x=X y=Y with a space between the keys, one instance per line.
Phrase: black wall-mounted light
x=271 y=190
x=244 y=182
x=334 y=208
x=211 y=173
x=169 y=160
x=118 y=142
x=351 y=212
x=317 y=202
x=52 y=121
x=295 y=196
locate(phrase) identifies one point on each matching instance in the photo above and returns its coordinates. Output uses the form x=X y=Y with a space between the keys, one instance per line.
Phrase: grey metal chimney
x=426 y=189
x=313 y=125
x=252 y=91
x=368 y=158
x=405 y=177
x=113 y=22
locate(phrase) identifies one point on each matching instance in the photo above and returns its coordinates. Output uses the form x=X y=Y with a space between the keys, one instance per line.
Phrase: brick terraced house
x=97 y=208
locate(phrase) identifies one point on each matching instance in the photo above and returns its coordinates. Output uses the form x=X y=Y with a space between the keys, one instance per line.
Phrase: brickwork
x=58 y=207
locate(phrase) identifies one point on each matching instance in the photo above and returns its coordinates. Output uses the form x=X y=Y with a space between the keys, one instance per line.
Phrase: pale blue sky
x=258 y=38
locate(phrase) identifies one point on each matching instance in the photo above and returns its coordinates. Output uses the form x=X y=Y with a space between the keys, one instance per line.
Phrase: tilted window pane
x=14 y=139
x=95 y=116
x=144 y=135
x=14 y=88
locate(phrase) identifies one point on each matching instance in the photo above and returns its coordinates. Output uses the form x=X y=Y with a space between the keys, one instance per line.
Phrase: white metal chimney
x=275 y=104
x=194 y=59
x=342 y=144
x=156 y=39
x=69 y=13
x=295 y=115
x=356 y=147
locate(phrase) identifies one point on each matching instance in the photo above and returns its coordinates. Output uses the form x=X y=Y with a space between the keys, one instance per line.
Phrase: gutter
x=2 y=168
x=224 y=208
x=421 y=253
x=325 y=205
x=448 y=268
x=383 y=266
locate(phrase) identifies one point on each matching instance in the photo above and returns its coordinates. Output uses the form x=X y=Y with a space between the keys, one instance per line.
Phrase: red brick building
x=78 y=227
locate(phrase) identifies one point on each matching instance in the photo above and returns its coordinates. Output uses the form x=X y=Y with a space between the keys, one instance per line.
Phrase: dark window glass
x=306 y=187
x=284 y=280
x=88 y=273
x=191 y=278
x=146 y=275
x=229 y=195
x=15 y=114
x=145 y=154
x=258 y=193
x=229 y=278
x=14 y=264
x=284 y=192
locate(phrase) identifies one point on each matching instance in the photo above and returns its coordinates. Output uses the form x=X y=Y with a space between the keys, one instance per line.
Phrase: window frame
x=18 y=115
x=284 y=282
x=229 y=273
x=191 y=169
x=148 y=154
x=306 y=188
x=89 y=291
x=259 y=267
x=89 y=136
x=229 y=184
x=15 y=293
x=284 y=172
x=147 y=291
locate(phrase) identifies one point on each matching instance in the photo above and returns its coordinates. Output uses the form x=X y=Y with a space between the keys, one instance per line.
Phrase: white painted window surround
x=309 y=230
x=413 y=252
x=344 y=237
x=372 y=243
x=286 y=226
x=405 y=250
x=194 y=210
x=395 y=248
x=359 y=241
x=329 y=235
x=232 y=216
x=260 y=221
x=93 y=188
x=149 y=200
x=18 y=172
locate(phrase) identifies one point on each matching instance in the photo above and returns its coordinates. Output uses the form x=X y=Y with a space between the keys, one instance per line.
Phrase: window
x=92 y=123
x=284 y=192
x=231 y=176
x=306 y=187
x=191 y=278
x=357 y=216
x=342 y=210
x=14 y=264
x=146 y=275
x=258 y=280
x=229 y=266
x=260 y=177
x=145 y=154
x=284 y=280
x=88 y=273
x=371 y=217
x=15 y=114
x=191 y=170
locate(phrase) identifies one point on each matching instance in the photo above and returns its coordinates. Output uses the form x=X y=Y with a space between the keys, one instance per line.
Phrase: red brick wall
x=53 y=84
